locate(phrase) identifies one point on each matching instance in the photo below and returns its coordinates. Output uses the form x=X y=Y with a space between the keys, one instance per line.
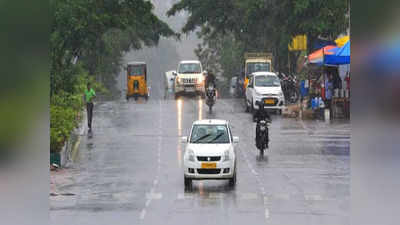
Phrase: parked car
x=210 y=152
x=266 y=87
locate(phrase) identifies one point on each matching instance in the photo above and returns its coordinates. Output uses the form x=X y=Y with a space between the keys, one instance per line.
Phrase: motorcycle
x=289 y=87
x=211 y=97
x=262 y=138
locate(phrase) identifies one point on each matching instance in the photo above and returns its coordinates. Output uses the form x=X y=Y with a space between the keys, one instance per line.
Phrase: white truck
x=189 y=78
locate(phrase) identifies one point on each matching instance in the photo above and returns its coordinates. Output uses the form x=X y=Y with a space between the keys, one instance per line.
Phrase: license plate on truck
x=189 y=89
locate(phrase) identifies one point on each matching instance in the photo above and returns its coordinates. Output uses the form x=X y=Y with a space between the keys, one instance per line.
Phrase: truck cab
x=256 y=62
x=189 y=78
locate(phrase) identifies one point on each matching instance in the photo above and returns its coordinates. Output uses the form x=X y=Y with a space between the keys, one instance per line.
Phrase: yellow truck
x=256 y=62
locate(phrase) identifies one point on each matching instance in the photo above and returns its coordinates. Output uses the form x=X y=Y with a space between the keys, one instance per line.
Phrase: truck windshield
x=136 y=70
x=267 y=81
x=189 y=68
x=209 y=134
x=258 y=67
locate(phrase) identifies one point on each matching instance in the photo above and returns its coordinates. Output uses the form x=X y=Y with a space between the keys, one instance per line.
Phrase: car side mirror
x=184 y=139
x=205 y=72
x=235 y=140
x=174 y=73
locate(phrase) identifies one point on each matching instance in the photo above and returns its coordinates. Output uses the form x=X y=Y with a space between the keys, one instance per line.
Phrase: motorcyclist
x=261 y=114
x=210 y=80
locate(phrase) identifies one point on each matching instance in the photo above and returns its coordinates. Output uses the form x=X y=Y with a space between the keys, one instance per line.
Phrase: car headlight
x=191 y=155
x=200 y=80
x=226 y=155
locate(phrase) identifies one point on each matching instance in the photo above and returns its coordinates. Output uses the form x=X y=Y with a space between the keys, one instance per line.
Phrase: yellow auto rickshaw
x=136 y=80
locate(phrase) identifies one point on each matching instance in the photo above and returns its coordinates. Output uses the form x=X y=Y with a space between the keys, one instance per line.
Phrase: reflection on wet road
x=130 y=170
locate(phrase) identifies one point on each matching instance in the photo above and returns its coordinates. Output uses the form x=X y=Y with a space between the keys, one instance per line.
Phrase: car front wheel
x=188 y=182
x=232 y=181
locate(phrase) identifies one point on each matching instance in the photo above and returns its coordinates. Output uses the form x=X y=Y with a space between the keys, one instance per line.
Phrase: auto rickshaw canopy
x=137 y=64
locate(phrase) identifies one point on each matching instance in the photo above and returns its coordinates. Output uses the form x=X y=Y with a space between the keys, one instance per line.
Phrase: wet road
x=130 y=170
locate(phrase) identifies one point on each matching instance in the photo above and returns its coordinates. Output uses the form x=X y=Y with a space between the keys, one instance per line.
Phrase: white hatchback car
x=266 y=87
x=210 y=152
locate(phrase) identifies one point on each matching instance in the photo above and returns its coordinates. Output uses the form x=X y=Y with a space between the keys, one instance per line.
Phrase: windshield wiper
x=216 y=137
x=201 y=138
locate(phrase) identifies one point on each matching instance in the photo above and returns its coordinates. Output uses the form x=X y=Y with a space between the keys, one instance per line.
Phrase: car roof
x=264 y=74
x=136 y=63
x=210 y=122
x=189 y=61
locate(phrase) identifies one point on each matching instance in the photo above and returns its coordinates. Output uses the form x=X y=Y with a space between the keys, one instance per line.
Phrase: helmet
x=260 y=104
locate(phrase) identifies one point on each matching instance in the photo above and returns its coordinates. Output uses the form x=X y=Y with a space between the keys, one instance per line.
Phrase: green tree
x=266 y=25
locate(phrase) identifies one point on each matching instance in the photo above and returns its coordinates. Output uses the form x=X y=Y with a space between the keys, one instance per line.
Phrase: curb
x=81 y=132
x=71 y=147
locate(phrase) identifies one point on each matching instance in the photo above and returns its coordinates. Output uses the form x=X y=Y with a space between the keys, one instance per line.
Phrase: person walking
x=90 y=94
x=328 y=94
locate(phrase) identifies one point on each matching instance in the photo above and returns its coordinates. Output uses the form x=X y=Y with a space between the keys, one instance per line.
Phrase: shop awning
x=317 y=57
x=338 y=56
x=340 y=42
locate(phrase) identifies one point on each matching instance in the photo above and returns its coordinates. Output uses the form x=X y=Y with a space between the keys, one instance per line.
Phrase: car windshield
x=267 y=81
x=209 y=134
x=189 y=68
x=136 y=70
x=258 y=67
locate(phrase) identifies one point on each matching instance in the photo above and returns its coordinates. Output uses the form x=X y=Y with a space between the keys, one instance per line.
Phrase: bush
x=62 y=122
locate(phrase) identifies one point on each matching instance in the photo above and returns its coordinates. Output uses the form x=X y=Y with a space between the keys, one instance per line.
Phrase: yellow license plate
x=269 y=101
x=209 y=165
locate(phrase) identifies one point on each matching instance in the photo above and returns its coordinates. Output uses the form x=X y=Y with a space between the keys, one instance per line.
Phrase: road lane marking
x=282 y=196
x=313 y=197
x=142 y=214
x=248 y=196
x=152 y=195
x=216 y=195
x=266 y=214
x=181 y=196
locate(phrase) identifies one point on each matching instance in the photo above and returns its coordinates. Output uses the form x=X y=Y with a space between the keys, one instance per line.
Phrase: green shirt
x=89 y=95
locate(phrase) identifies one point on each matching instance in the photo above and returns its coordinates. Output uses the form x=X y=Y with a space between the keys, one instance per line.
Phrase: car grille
x=208 y=171
x=269 y=104
x=208 y=158
x=189 y=80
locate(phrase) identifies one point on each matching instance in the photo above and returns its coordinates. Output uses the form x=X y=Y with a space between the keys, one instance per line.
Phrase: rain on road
x=130 y=170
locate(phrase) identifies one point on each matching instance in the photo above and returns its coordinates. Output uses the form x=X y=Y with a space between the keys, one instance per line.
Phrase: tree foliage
x=264 y=25
x=87 y=41
x=92 y=30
